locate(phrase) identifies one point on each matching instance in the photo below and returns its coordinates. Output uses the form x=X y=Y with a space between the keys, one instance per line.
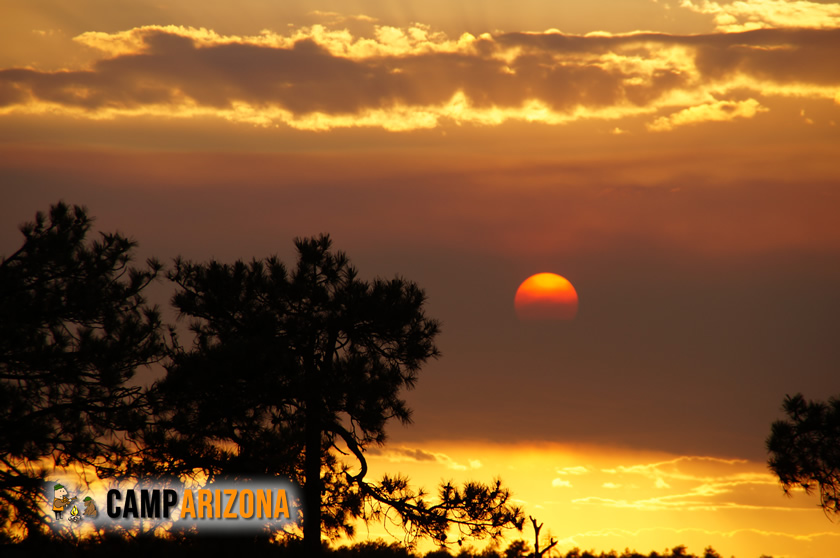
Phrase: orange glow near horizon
x=603 y=498
x=546 y=296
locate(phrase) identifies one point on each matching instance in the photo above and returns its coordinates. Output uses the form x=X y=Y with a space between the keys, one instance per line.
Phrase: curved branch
x=353 y=445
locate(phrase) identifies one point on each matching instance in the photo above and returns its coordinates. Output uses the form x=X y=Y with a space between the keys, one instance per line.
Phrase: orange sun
x=546 y=296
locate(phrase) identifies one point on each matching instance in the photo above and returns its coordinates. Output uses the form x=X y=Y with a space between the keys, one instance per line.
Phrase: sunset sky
x=677 y=160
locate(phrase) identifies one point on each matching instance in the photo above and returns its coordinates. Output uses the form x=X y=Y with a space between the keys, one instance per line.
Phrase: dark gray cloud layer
x=563 y=72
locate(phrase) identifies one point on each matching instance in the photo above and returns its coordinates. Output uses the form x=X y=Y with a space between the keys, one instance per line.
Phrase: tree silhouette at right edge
x=805 y=449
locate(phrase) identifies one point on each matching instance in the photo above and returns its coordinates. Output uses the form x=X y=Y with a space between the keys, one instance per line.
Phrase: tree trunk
x=312 y=466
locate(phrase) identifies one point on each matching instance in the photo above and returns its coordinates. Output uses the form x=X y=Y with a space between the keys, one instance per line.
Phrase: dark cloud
x=414 y=454
x=782 y=56
x=564 y=72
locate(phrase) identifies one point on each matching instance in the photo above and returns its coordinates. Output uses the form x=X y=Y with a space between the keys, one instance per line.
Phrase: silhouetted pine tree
x=288 y=368
x=74 y=328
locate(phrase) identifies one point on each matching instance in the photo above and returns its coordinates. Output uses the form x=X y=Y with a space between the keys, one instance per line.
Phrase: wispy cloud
x=746 y=15
x=587 y=537
x=689 y=483
x=339 y=17
x=683 y=502
x=660 y=483
x=577 y=470
x=708 y=475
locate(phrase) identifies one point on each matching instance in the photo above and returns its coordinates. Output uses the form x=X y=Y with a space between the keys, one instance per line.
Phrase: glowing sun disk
x=546 y=296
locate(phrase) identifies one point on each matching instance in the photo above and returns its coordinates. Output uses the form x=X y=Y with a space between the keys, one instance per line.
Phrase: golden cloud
x=576 y=470
x=717 y=112
x=694 y=483
x=747 y=15
x=748 y=537
x=386 y=40
x=317 y=78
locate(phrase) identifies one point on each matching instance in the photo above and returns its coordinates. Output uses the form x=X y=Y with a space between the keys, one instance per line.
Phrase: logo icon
x=90 y=508
x=61 y=500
